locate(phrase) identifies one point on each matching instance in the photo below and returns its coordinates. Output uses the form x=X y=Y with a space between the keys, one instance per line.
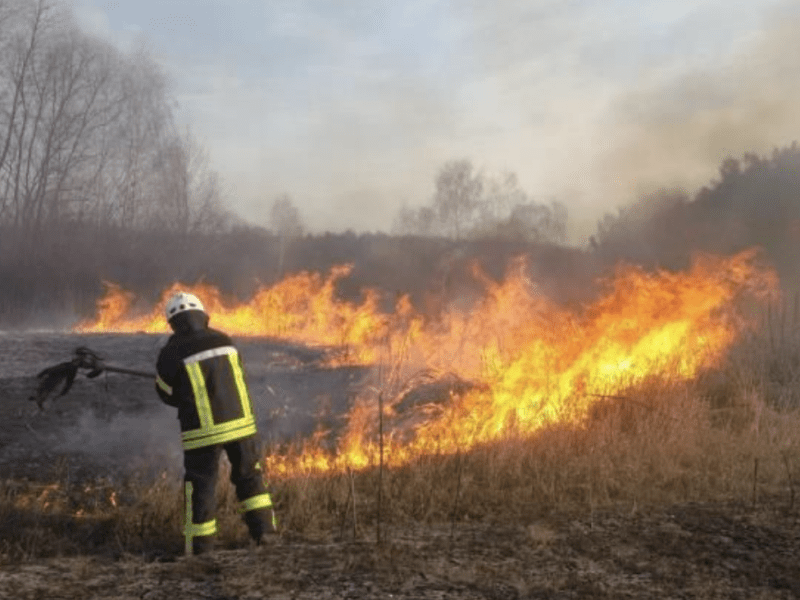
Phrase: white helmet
x=182 y=302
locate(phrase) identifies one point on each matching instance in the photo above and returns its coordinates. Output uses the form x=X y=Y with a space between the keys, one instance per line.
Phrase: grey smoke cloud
x=146 y=442
x=676 y=128
x=352 y=107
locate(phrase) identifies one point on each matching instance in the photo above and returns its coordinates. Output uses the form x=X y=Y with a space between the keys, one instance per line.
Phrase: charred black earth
x=115 y=424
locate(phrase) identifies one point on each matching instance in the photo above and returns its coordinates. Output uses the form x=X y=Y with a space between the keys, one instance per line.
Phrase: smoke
x=675 y=128
x=724 y=132
x=126 y=443
x=352 y=109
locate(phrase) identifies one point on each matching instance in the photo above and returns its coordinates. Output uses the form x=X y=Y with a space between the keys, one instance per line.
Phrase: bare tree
x=422 y=221
x=284 y=218
x=534 y=222
x=136 y=144
x=65 y=95
x=88 y=134
x=458 y=195
x=174 y=187
x=286 y=223
x=19 y=38
x=501 y=195
x=89 y=151
x=468 y=203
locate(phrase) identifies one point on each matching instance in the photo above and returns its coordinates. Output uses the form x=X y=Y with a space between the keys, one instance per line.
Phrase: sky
x=352 y=106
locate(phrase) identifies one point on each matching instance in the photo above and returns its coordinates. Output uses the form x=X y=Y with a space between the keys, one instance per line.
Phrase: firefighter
x=199 y=372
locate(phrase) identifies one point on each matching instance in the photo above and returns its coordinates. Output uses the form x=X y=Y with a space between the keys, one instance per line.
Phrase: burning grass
x=663 y=443
x=729 y=434
x=657 y=393
x=534 y=364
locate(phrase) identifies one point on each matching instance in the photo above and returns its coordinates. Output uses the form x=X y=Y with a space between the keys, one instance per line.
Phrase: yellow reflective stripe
x=187 y=519
x=192 y=530
x=202 y=529
x=244 y=397
x=256 y=502
x=206 y=438
x=222 y=350
x=163 y=385
x=201 y=399
x=210 y=433
x=221 y=428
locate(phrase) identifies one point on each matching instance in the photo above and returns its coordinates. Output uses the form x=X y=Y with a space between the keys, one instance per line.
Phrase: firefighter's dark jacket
x=199 y=371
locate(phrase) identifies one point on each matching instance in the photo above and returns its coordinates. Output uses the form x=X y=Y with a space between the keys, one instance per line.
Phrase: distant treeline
x=64 y=280
x=469 y=204
x=754 y=201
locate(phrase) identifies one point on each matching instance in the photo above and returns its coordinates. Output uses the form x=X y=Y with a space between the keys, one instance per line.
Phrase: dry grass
x=731 y=434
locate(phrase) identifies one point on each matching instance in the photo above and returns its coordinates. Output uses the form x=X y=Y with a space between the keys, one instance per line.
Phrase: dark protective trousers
x=201 y=467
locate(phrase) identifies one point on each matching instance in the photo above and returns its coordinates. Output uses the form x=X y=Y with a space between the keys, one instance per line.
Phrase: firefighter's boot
x=261 y=524
x=202 y=544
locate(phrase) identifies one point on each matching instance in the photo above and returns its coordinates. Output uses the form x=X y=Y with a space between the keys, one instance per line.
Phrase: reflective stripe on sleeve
x=163 y=385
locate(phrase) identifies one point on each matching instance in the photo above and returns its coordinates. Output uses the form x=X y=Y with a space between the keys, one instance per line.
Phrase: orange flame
x=533 y=362
x=302 y=307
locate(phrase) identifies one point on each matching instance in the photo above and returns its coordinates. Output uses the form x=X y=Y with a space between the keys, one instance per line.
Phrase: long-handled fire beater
x=63 y=374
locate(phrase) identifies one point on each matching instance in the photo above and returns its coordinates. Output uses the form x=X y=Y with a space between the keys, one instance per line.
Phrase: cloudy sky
x=351 y=106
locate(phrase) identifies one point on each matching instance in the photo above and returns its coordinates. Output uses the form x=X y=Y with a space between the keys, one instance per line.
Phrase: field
x=671 y=490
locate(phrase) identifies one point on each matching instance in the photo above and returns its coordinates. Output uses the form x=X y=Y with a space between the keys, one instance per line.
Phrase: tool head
x=62 y=374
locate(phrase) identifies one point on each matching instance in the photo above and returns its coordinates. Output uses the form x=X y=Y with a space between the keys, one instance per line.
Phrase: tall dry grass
x=733 y=433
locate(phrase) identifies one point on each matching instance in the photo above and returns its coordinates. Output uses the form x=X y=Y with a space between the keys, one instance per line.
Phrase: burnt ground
x=114 y=425
x=688 y=551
